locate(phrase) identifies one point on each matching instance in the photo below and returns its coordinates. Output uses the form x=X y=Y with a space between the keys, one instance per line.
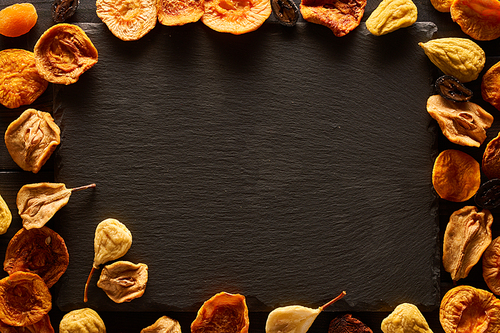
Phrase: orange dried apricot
x=480 y=19
x=180 y=12
x=41 y=326
x=491 y=158
x=18 y=19
x=236 y=16
x=490 y=86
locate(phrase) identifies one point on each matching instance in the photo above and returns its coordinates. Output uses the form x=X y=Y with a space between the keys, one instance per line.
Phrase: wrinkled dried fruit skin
x=83 y=320
x=467 y=235
x=5 y=216
x=180 y=12
x=467 y=309
x=128 y=19
x=490 y=86
x=491 y=266
x=17 y=19
x=164 y=324
x=488 y=195
x=348 y=324
x=341 y=16
x=63 y=53
x=456 y=176
x=41 y=326
x=63 y=9
x=480 y=19
x=458 y=57
x=292 y=318
x=123 y=281
x=285 y=11
x=442 y=5
x=391 y=15
x=491 y=158
x=462 y=123
x=24 y=299
x=405 y=318
x=20 y=83
x=451 y=89
x=112 y=240
x=223 y=313
x=31 y=139
x=41 y=251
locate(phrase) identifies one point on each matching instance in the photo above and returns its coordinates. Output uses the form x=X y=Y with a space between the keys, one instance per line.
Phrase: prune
x=348 y=324
x=452 y=89
x=488 y=195
x=63 y=9
x=285 y=11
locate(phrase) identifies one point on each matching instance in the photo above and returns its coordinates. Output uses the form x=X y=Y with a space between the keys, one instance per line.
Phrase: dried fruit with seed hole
x=456 y=175
x=180 y=12
x=223 y=313
x=41 y=326
x=391 y=15
x=128 y=19
x=285 y=11
x=341 y=16
x=467 y=235
x=458 y=57
x=480 y=19
x=63 y=53
x=405 y=318
x=164 y=324
x=112 y=240
x=31 y=139
x=40 y=251
x=488 y=195
x=490 y=86
x=20 y=83
x=17 y=19
x=37 y=203
x=348 y=324
x=5 y=216
x=236 y=16
x=491 y=158
x=462 y=123
x=123 y=281
x=491 y=266
x=295 y=318
x=452 y=89
x=63 y=9
x=24 y=299
x=83 y=320
x=467 y=309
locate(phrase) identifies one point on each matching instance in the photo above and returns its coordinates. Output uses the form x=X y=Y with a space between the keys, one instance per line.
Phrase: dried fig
x=83 y=320
x=391 y=15
x=405 y=318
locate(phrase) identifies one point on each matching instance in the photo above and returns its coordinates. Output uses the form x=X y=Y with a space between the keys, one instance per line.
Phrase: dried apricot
x=491 y=158
x=480 y=19
x=490 y=86
x=456 y=175
x=18 y=19
x=41 y=326
x=20 y=83
x=442 y=5
x=128 y=19
x=180 y=12
x=491 y=266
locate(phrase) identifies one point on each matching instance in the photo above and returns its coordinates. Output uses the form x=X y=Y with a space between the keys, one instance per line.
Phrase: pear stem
x=85 y=298
x=82 y=187
x=342 y=294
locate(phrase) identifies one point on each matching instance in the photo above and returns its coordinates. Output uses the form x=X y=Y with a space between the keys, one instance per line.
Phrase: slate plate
x=286 y=165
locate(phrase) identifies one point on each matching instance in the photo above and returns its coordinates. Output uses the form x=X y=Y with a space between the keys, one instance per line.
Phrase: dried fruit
x=450 y=88
x=5 y=216
x=480 y=19
x=405 y=318
x=41 y=326
x=467 y=309
x=37 y=203
x=17 y=19
x=63 y=9
x=458 y=57
x=20 y=83
x=123 y=281
x=41 y=251
x=285 y=11
x=462 y=123
x=83 y=320
x=456 y=175
x=295 y=318
x=223 y=313
x=391 y=15
x=341 y=16
x=488 y=195
x=491 y=266
x=490 y=86
x=63 y=53
x=112 y=240
x=31 y=139
x=164 y=324
x=24 y=299
x=236 y=16
x=491 y=158
x=348 y=324
x=128 y=19
x=467 y=235
x=180 y=12
x=442 y=5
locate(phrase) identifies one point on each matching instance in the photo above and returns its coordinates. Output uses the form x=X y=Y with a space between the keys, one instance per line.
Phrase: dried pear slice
x=123 y=281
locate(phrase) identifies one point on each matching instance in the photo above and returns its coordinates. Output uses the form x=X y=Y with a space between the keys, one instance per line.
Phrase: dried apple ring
x=63 y=53
x=180 y=12
x=480 y=19
x=20 y=83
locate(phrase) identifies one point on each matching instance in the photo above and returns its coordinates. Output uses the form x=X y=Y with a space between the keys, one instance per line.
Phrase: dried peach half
x=17 y=19
x=128 y=19
x=491 y=158
x=490 y=86
x=236 y=16
x=41 y=326
x=341 y=16
x=63 y=53
x=180 y=12
x=20 y=83
x=491 y=266
x=480 y=19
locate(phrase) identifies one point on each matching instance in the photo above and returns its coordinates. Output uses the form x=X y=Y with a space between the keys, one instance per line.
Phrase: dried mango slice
x=236 y=16
x=391 y=15
x=128 y=19
x=480 y=19
x=490 y=86
x=63 y=53
x=341 y=16
x=180 y=12
x=83 y=320
x=491 y=158
x=17 y=19
x=20 y=83
x=123 y=281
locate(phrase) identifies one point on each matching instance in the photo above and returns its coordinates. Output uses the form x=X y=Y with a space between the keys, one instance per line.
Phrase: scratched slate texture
x=286 y=165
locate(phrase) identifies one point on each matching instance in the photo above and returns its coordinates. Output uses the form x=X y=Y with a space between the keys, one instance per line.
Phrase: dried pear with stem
x=405 y=318
x=83 y=320
x=37 y=203
x=112 y=240
x=295 y=318
x=164 y=324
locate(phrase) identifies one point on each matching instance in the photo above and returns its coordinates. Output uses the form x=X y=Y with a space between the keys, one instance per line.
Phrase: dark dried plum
x=348 y=324
x=63 y=9
x=452 y=89
x=286 y=11
x=488 y=195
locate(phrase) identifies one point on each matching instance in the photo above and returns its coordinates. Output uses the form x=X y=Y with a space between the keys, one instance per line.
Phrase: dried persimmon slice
x=20 y=83
x=180 y=12
x=480 y=19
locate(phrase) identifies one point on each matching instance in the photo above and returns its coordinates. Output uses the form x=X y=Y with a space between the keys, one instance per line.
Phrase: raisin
x=285 y=11
x=488 y=195
x=452 y=89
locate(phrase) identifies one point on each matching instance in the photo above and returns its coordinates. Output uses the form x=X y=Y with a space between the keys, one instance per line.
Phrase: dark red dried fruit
x=63 y=9
x=348 y=324
x=452 y=89
x=488 y=195
x=285 y=11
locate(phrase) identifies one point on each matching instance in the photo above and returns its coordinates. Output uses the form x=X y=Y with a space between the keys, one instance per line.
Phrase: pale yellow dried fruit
x=164 y=324
x=391 y=15
x=5 y=216
x=458 y=57
x=406 y=318
x=83 y=320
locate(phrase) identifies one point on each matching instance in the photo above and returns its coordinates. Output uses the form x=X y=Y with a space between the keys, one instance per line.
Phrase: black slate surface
x=285 y=164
